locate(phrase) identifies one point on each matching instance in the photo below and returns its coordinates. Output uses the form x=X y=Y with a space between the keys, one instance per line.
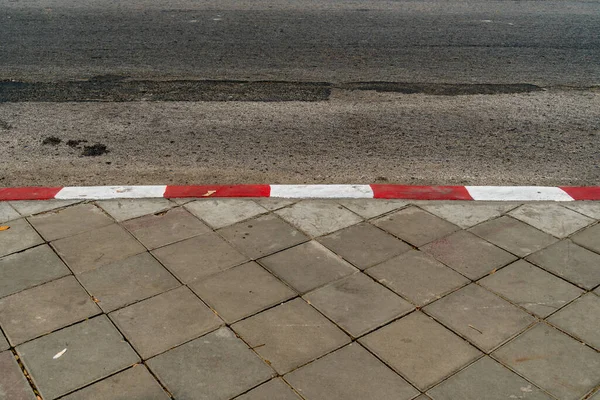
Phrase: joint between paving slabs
x=36 y=392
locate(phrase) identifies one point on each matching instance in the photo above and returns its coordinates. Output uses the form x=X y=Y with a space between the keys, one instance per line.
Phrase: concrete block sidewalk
x=282 y=299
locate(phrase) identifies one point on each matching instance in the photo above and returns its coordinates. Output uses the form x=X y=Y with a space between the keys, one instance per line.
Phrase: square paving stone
x=318 y=217
x=13 y=384
x=588 y=208
x=220 y=213
x=349 y=373
x=272 y=204
x=371 y=208
x=486 y=379
x=589 y=238
x=168 y=227
x=29 y=268
x=132 y=384
x=127 y=281
x=364 y=245
x=466 y=253
x=275 y=389
x=358 y=304
x=513 y=235
x=42 y=309
x=91 y=250
x=199 y=257
x=581 y=319
x=552 y=218
x=214 y=367
x=290 y=335
x=70 y=221
x=262 y=236
x=416 y=226
x=570 y=261
x=18 y=237
x=124 y=209
x=32 y=207
x=3 y=343
x=553 y=361
x=165 y=321
x=307 y=266
x=420 y=349
x=94 y=350
x=417 y=276
x=467 y=214
x=531 y=288
x=242 y=291
x=7 y=213
x=483 y=318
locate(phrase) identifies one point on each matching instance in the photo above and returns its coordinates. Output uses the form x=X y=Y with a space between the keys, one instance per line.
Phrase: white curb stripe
x=110 y=192
x=517 y=193
x=322 y=191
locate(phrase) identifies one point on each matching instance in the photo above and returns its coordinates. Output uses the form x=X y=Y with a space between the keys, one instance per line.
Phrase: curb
x=376 y=191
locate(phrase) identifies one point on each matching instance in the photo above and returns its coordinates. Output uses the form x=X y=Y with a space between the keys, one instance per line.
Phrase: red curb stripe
x=28 y=193
x=218 y=191
x=582 y=193
x=420 y=192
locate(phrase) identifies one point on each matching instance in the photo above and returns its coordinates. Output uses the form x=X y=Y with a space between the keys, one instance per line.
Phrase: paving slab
x=307 y=266
x=349 y=373
x=420 y=349
x=94 y=350
x=423 y=397
x=159 y=323
x=589 y=238
x=364 y=245
x=70 y=221
x=553 y=361
x=7 y=213
x=486 y=379
x=358 y=304
x=242 y=291
x=485 y=319
x=32 y=207
x=124 y=209
x=571 y=262
x=45 y=308
x=18 y=237
x=199 y=257
x=417 y=276
x=581 y=319
x=13 y=384
x=468 y=254
x=467 y=214
x=214 y=367
x=275 y=389
x=552 y=218
x=290 y=335
x=3 y=343
x=128 y=281
x=29 y=268
x=367 y=208
x=587 y=208
x=594 y=396
x=318 y=217
x=220 y=213
x=272 y=204
x=415 y=226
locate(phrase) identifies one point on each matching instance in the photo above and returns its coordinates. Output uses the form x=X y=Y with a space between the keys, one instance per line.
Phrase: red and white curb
x=488 y=193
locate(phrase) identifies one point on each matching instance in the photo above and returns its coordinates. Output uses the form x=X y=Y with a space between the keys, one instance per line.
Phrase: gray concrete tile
x=241 y=291
x=595 y=396
x=94 y=350
x=423 y=397
x=513 y=235
x=417 y=276
x=468 y=213
x=18 y=237
x=483 y=318
x=262 y=236
x=124 y=209
x=318 y=217
x=589 y=238
x=29 y=268
x=132 y=384
x=275 y=389
x=290 y=335
x=486 y=379
x=371 y=208
x=165 y=228
x=415 y=226
x=7 y=213
x=581 y=319
x=349 y=373
x=551 y=218
x=220 y=213
x=570 y=261
x=199 y=257
x=3 y=343
x=159 y=323
x=589 y=208
x=272 y=204
x=42 y=309
x=127 y=281
x=94 y=249
x=32 y=207
x=13 y=384
x=70 y=221
x=307 y=266
x=357 y=304
x=217 y=366
x=553 y=361
x=531 y=288
x=468 y=254
x=364 y=245
x=420 y=349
